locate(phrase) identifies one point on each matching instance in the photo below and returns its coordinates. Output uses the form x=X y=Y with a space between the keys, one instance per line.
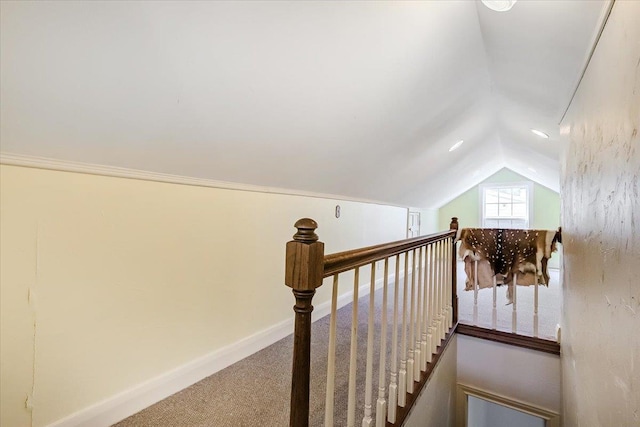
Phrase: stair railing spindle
x=448 y=294
x=393 y=375
x=367 y=419
x=514 y=313
x=417 y=353
x=454 y=272
x=402 y=377
x=411 y=337
x=424 y=320
x=353 y=355
x=475 y=292
x=331 y=360
x=494 y=313
x=535 y=309
x=439 y=294
x=381 y=404
x=431 y=338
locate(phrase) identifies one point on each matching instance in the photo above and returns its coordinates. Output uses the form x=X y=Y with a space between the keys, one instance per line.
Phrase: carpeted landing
x=256 y=391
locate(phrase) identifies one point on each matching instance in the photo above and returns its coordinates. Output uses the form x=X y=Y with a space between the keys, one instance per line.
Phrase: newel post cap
x=306 y=230
x=454 y=223
x=305 y=257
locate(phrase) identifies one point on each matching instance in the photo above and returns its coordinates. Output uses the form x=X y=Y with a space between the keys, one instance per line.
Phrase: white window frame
x=463 y=392
x=498 y=185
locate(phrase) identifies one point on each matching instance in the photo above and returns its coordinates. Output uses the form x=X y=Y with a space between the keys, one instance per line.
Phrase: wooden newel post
x=454 y=273
x=303 y=274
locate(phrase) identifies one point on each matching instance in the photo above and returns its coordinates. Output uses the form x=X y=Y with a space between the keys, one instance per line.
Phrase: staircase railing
x=418 y=274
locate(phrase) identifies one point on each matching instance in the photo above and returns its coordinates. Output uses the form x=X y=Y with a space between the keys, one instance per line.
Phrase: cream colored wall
x=600 y=189
x=108 y=282
x=436 y=404
x=530 y=376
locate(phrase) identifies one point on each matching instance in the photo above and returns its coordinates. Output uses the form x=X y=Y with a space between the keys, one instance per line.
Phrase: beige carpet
x=549 y=307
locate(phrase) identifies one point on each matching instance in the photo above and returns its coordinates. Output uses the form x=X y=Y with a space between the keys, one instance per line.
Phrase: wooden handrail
x=348 y=260
x=306 y=266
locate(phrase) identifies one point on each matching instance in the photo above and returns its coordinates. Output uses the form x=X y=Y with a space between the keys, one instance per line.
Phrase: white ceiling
x=358 y=99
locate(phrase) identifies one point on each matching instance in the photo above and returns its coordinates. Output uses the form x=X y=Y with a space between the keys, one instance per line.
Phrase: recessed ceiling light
x=540 y=133
x=456 y=145
x=499 y=5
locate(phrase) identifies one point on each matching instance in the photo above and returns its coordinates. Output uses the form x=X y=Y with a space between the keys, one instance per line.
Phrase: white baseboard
x=135 y=399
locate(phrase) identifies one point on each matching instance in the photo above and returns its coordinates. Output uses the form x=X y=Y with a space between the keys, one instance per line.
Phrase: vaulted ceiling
x=357 y=99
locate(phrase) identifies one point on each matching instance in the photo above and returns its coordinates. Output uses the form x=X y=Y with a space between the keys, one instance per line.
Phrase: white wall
x=429 y=222
x=524 y=375
x=482 y=413
x=600 y=191
x=518 y=373
x=435 y=407
x=110 y=282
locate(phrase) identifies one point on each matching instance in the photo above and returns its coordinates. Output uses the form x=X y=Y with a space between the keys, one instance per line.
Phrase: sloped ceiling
x=358 y=99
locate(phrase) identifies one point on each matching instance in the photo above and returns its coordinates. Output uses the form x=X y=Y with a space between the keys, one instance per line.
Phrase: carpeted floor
x=256 y=390
x=549 y=306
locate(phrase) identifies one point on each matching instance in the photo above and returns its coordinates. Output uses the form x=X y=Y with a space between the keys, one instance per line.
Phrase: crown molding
x=119 y=172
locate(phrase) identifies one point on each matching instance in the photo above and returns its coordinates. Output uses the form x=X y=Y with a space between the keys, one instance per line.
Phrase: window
x=506 y=205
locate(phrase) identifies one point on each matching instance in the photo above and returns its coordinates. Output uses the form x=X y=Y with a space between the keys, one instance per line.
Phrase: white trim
x=595 y=38
x=530 y=197
x=118 y=172
x=141 y=396
x=463 y=391
x=418 y=214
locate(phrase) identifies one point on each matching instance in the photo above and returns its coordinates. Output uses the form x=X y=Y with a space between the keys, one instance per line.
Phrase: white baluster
x=431 y=338
x=535 y=309
x=412 y=330
x=402 y=375
x=331 y=361
x=449 y=293
x=425 y=310
x=494 y=313
x=417 y=352
x=367 y=420
x=351 y=401
x=381 y=403
x=452 y=270
x=393 y=377
x=514 y=313
x=445 y=286
x=436 y=297
x=442 y=318
x=475 y=292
